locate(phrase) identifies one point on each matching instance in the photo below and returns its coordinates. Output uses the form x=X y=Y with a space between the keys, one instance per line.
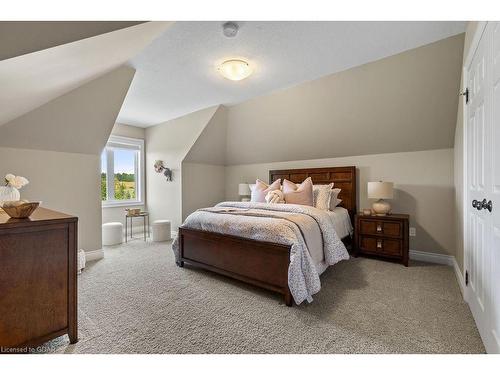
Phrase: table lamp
x=244 y=192
x=380 y=190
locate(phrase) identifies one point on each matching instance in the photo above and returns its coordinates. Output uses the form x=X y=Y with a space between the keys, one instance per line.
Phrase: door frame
x=478 y=33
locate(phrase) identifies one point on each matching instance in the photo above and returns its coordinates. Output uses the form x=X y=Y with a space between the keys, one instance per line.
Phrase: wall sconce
x=160 y=168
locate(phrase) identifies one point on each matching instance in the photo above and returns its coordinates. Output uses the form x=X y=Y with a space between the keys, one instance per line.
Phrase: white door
x=482 y=131
x=495 y=187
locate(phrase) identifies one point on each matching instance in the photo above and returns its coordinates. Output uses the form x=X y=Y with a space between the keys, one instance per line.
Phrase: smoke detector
x=230 y=29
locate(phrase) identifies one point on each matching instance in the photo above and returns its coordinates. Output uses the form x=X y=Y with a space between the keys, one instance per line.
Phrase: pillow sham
x=302 y=194
x=334 y=200
x=261 y=189
x=322 y=196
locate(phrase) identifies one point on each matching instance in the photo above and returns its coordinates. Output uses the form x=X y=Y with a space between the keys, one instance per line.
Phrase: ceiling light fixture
x=235 y=69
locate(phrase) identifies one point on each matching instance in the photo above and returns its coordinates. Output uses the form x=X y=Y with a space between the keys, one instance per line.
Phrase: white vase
x=9 y=193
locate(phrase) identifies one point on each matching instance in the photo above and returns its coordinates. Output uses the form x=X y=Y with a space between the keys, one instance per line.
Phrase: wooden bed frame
x=263 y=264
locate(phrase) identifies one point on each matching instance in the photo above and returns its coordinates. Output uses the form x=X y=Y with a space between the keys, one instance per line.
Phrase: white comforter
x=287 y=224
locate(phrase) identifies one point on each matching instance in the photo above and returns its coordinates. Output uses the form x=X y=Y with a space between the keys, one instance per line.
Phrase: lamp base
x=381 y=207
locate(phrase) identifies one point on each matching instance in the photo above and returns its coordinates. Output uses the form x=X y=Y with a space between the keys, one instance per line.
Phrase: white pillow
x=334 y=201
x=321 y=196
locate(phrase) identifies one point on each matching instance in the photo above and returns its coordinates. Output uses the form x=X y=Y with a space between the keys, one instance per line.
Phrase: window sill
x=121 y=204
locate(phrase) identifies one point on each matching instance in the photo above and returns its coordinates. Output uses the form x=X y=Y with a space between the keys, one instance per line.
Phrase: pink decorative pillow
x=302 y=194
x=261 y=189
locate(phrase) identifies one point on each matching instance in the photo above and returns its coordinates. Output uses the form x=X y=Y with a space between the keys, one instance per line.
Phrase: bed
x=261 y=260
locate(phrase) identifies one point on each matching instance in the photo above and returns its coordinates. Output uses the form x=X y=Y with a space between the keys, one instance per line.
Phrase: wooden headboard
x=343 y=178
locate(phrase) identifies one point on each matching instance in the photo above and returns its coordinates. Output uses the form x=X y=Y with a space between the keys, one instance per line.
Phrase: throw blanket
x=275 y=196
x=278 y=223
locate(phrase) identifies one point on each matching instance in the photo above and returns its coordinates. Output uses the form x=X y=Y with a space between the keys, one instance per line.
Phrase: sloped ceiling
x=31 y=80
x=177 y=74
x=210 y=146
x=174 y=139
x=21 y=37
x=406 y=102
x=78 y=122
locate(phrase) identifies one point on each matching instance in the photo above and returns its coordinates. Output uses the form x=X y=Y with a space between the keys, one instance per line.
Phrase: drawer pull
x=379 y=227
x=379 y=244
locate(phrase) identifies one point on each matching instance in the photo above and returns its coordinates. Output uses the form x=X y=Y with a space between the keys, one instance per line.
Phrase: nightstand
x=382 y=236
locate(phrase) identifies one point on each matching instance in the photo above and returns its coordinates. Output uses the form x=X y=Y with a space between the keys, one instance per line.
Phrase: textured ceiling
x=33 y=79
x=177 y=74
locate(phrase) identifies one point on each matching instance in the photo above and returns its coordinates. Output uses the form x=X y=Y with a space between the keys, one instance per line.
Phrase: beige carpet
x=137 y=300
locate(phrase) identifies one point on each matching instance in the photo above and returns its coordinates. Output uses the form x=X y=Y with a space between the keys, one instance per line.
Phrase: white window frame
x=119 y=142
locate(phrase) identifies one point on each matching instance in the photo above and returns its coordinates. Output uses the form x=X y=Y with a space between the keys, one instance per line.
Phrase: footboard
x=264 y=264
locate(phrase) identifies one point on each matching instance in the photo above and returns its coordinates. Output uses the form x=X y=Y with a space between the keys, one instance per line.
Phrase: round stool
x=112 y=233
x=161 y=230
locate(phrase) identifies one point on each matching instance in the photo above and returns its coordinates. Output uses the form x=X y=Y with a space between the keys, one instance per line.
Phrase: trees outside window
x=122 y=163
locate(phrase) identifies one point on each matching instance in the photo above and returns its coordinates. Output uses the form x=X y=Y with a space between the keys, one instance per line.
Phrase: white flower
x=16 y=181
x=20 y=181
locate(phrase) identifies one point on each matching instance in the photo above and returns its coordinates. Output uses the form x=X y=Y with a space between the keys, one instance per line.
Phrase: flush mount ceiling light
x=235 y=69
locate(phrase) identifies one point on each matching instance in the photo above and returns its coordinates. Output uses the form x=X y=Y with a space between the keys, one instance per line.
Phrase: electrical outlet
x=413 y=231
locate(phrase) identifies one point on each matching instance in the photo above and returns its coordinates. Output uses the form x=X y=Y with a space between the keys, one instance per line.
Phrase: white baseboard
x=94 y=255
x=459 y=276
x=448 y=260
x=432 y=257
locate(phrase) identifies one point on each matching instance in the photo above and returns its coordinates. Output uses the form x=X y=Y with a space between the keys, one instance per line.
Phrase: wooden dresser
x=38 y=278
x=382 y=236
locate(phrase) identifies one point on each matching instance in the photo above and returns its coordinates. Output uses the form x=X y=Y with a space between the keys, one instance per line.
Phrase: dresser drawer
x=380 y=227
x=384 y=246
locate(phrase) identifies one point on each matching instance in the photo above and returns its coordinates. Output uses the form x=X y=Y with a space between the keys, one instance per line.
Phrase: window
x=122 y=176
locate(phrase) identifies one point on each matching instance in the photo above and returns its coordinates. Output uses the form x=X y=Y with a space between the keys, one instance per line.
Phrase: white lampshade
x=380 y=190
x=244 y=189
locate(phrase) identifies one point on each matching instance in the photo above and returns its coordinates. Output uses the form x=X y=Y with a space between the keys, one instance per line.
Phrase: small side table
x=145 y=218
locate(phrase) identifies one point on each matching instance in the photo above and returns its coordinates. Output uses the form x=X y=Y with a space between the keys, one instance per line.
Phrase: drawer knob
x=379 y=227
x=379 y=244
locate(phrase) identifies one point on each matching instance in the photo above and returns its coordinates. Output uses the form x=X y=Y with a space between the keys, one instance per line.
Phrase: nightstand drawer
x=380 y=227
x=385 y=246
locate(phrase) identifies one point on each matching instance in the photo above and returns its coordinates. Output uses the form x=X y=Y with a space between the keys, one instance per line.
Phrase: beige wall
x=117 y=214
x=37 y=146
x=203 y=170
x=65 y=182
x=406 y=102
x=125 y=130
x=458 y=157
x=423 y=182
x=170 y=142
x=203 y=185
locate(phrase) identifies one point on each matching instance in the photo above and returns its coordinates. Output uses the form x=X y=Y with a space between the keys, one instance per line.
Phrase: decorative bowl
x=20 y=211
x=133 y=211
